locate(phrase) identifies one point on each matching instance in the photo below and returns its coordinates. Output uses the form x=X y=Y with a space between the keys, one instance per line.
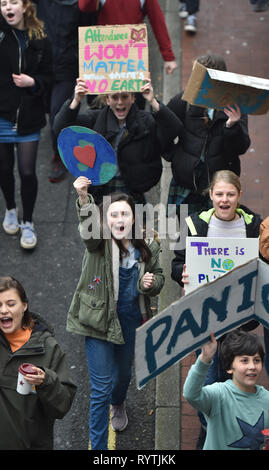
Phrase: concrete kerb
x=168 y=403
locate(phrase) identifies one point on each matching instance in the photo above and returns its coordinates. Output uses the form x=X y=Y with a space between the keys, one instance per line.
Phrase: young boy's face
x=246 y=371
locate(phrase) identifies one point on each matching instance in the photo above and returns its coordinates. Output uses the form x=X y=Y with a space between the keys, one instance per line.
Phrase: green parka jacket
x=26 y=421
x=93 y=308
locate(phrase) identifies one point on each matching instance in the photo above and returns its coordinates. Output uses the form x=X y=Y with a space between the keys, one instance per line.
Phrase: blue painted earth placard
x=87 y=153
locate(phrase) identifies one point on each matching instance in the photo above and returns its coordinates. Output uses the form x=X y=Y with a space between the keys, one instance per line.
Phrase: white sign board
x=209 y=258
x=219 y=306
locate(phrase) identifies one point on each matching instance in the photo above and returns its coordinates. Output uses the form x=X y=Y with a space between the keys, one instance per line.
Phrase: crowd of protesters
x=121 y=273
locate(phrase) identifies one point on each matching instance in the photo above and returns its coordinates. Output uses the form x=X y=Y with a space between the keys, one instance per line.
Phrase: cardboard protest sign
x=86 y=153
x=219 y=306
x=208 y=258
x=113 y=58
x=212 y=88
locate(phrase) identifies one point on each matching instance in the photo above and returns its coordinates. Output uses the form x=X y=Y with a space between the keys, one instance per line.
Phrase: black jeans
x=192 y=6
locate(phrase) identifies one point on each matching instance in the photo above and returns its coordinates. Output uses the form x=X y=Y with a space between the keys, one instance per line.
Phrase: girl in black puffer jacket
x=209 y=140
x=26 y=76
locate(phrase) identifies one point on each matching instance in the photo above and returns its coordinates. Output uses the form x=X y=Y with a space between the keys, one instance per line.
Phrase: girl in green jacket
x=119 y=273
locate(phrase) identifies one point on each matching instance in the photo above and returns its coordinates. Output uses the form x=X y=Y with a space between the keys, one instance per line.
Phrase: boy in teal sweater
x=236 y=411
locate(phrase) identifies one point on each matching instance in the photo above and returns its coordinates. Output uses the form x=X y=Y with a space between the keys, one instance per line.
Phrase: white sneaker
x=190 y=25
x=182 y=12
x=28 y=235
x=10 y=223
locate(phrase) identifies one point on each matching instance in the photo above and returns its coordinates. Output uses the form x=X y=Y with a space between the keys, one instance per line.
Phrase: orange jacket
x=264 y=238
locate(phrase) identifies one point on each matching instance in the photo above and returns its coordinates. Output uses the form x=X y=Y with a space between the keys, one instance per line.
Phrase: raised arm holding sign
x=137 y=137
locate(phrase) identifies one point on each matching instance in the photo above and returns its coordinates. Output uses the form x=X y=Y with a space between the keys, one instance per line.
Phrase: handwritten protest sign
x=212 y=88
x=113 y=58
x=219 y=306
x=208 y=258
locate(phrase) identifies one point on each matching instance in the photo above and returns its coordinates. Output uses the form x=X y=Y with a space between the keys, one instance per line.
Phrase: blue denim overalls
x=110 y=365
x=130 y=318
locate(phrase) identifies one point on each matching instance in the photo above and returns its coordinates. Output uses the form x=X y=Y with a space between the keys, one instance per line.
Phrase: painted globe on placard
x=228 y=264
x=87 y=153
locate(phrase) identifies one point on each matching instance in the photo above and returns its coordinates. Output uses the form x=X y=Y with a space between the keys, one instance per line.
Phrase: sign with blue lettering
x=209 y=258
x=219 y=306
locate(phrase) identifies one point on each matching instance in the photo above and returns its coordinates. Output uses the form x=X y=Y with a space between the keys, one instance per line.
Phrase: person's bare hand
x=148 y=280
x=184 y=279
x=170 y=66
x=36 y=379
x=81 y=185
x=234 y=114
x=148 y=93
x=147 y=90
x=80 y=91
x=22 y=80
x=209 y=349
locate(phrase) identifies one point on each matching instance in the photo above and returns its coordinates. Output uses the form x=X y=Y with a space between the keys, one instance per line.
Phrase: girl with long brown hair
x=26 y=76
x=119 y=275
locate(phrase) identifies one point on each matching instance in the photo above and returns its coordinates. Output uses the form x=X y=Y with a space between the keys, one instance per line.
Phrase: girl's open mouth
x=6 y=322
x=121 y=110
x=120 y=228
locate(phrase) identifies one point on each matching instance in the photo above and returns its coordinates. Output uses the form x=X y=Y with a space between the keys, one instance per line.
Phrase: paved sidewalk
x=241 y=36
x=167 y=421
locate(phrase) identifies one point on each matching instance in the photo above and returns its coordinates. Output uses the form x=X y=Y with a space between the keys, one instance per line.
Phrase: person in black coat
x=62 y=19
x=208 y=141
x=25 y=79
x=138 y=137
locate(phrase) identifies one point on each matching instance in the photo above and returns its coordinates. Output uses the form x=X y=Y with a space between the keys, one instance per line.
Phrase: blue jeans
x=261 y=2
x=110 y=365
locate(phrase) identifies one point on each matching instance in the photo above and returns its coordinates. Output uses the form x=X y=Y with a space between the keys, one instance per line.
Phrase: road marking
x=111 y=444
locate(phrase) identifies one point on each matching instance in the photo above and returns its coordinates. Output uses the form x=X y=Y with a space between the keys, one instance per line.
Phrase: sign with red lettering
x=113 y=58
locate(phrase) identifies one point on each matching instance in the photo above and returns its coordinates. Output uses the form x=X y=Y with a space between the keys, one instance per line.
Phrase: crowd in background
x=119 y=276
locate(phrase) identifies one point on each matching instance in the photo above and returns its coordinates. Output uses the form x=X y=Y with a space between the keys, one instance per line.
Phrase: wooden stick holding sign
x=113 y=58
